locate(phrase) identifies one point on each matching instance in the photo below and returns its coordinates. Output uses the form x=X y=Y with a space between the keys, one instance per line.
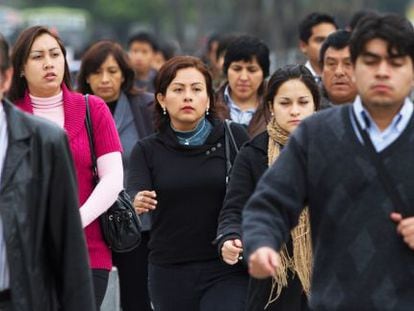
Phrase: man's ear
x=303 y=47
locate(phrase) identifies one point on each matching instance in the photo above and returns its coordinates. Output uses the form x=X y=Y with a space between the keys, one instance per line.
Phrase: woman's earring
x=164 y=111
x=21 y=74
x=207 y=112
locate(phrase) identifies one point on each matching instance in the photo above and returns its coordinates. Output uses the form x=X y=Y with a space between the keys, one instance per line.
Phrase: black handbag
x=120 y=224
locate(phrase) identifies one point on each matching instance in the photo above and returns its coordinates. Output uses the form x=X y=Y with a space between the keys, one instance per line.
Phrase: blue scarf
x=195 y=137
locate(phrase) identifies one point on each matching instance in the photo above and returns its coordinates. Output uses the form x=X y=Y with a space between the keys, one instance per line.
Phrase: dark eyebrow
x=192 y=84
x=370 y=54
x=39 y=51
x=288 y=98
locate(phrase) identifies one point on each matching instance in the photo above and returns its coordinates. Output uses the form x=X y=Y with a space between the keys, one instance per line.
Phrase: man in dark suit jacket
x=43 y=258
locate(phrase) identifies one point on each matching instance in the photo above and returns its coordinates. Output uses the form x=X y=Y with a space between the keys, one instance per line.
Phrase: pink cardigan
x=106 y=140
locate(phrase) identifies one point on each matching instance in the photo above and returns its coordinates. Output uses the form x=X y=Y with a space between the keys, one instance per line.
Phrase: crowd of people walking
x=288 y=192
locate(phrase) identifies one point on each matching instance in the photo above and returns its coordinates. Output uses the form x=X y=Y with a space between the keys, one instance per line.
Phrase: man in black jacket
x=43 y=258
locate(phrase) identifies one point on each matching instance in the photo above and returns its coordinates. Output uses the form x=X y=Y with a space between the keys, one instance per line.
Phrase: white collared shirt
x=236 y=114
x=382 y=139
x=4 y=268
x=317 y=77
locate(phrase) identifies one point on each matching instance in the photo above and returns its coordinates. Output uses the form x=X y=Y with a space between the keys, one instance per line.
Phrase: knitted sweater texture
x=360 y=262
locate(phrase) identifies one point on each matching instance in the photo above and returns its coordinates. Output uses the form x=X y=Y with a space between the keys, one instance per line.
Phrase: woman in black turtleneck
x=179 y=174
x=106 y=72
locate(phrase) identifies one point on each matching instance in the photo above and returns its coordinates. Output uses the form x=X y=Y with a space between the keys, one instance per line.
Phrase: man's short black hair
x=336 y=40
x=245 y=48
x=396 y=30
x=144 y=37
x=310 y=21
x=358 y=16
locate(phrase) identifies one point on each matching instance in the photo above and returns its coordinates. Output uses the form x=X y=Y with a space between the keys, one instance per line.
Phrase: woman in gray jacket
x=106 y=72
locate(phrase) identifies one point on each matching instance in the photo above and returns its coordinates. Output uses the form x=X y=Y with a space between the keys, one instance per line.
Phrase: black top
x=360 y=262
x=112 y=106
x=250 y=164
x=190 y=186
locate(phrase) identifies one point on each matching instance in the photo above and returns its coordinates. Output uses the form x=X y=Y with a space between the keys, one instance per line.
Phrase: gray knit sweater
x=360 y=262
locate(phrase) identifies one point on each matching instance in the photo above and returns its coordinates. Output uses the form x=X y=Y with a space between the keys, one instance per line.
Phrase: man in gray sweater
x=363 y=243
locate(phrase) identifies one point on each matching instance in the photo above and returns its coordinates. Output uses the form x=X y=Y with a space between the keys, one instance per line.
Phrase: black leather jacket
x=46 y=250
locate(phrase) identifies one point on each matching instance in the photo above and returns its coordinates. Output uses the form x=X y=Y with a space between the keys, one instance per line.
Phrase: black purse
x=120 y=224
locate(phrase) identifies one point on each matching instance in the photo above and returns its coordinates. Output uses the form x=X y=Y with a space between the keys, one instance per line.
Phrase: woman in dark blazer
x=106 y=72
x=291 y=96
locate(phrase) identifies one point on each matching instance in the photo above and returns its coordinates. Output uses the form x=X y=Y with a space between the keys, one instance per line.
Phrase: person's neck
x=142 y=75
x=341 y=101
x=383 y=115
x=185 y=127
x=245 y=103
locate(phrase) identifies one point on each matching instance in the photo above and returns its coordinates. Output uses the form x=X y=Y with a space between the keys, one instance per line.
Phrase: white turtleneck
x=50 y=108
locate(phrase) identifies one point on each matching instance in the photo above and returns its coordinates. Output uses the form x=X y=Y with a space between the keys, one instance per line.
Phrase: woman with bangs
x=179 y=174
x=246 y=66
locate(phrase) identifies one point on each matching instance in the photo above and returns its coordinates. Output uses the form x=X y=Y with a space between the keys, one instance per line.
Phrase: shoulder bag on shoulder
x=229 y=141
x=121 y=226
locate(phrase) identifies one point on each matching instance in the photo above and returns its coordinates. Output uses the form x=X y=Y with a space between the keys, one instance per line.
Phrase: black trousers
x=100 y=283
x=292 y=298
x=133 y=276
x=200 y=286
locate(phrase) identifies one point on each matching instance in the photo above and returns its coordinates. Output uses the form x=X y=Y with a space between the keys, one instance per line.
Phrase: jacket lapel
x=18 y=145
x=123 y=114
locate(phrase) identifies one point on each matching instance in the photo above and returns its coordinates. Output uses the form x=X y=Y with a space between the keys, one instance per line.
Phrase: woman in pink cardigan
x=41 y=85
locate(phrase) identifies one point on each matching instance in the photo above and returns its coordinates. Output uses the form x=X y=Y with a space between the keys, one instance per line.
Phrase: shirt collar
x=230 y=102
x=227 y=98
x=2 y=113
x=309 y=66
x=398 y=123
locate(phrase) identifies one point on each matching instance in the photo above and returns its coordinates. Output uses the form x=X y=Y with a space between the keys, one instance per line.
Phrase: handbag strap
x=89 y=129
x=382 y=172
x=229 y=139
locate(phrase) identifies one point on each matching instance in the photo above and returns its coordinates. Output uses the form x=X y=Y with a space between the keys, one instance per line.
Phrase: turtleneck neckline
x=196 y=136
x=47 y=102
